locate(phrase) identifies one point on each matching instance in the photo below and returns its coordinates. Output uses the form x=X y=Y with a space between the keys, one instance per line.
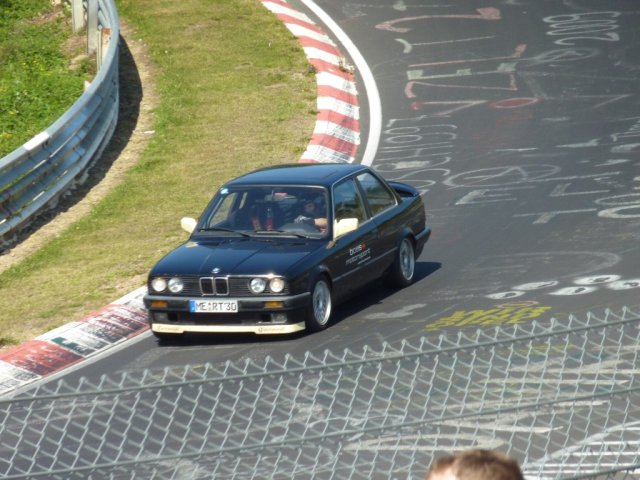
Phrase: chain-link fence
x=560 y=396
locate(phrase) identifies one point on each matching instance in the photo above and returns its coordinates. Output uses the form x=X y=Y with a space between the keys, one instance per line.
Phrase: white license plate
x=213 y=306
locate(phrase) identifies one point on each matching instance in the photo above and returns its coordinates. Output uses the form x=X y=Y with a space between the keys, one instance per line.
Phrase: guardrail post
x=104 y=37
x=77 y=15
x=92 y=26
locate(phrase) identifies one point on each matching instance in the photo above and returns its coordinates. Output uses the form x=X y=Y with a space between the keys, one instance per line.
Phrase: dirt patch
x=48 y=16
x=138 y=98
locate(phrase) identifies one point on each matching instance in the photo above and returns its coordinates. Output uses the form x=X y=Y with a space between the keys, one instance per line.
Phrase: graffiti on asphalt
x=507 y=314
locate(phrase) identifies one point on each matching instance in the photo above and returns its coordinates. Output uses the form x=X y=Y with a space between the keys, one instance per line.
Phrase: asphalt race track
x=524 y=137
x=519 y=121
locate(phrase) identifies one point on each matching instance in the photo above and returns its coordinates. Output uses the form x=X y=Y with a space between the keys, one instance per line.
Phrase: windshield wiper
x=222 y=229
x=287 y=233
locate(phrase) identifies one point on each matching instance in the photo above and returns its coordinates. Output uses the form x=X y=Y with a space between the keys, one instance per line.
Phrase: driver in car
x=312 y=214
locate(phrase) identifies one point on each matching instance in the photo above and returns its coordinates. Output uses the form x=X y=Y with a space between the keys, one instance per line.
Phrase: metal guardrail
x=560 y=396
x=34 y=176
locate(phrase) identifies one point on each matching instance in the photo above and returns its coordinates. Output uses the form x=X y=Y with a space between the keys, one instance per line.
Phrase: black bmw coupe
x=277 y=248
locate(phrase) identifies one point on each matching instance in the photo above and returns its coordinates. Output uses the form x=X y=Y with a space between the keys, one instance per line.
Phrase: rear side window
x=378 y=195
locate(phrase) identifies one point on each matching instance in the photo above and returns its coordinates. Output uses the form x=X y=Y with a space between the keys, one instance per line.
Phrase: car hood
x=234 y=256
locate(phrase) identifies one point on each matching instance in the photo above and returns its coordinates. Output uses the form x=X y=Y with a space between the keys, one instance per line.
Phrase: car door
x=353 y=252
x=383 y=208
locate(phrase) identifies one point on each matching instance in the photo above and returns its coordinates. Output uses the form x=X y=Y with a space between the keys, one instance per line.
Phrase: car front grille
x=220 y=286
x=191 y=287
x=214 y=286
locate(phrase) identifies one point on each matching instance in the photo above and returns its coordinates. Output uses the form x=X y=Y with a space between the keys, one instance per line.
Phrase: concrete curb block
x=74 y=342
x=336 y=138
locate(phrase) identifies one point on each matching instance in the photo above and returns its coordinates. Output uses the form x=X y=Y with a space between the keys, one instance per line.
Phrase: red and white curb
x=336 y=138
x=71 y=343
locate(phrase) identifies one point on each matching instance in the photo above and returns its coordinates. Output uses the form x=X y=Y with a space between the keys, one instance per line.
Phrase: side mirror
x=344 y=226
x=188 y=224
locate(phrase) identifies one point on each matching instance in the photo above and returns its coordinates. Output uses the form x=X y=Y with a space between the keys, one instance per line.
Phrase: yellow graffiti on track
x=502 y=315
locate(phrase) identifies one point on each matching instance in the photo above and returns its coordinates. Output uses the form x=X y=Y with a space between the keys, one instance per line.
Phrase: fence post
x=92 y=26
x=104 y=37
x=77 y=15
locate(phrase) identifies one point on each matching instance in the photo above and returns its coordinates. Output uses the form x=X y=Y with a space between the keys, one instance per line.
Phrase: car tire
x=319 y=310
x=403 y=269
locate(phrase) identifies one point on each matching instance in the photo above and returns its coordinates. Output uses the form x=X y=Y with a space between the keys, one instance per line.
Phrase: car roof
x=324 y=174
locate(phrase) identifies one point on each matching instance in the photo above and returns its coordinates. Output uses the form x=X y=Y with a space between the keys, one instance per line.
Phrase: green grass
x=36 y=83
x=236 y=92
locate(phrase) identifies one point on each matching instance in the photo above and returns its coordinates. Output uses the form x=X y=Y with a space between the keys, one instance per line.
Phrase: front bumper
x=263 y=315
x=263 y=329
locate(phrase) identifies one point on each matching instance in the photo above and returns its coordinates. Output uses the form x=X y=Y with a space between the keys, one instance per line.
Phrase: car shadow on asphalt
x=376 y=292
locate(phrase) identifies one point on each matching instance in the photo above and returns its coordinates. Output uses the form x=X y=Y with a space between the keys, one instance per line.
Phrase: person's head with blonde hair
x=475 y=464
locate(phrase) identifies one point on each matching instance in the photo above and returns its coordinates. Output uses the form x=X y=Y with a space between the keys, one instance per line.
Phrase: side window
x=347 y=202
x=378 y=195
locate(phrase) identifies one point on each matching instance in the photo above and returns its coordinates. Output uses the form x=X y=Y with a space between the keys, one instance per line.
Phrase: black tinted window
x=378 y=195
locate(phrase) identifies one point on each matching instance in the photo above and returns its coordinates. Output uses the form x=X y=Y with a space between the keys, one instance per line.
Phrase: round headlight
x=257 y=285
x=175 y=285
x=159 y=284
x=276 y=285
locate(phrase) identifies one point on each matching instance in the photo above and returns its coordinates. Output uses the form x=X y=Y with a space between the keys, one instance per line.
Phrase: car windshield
x=268 y=210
